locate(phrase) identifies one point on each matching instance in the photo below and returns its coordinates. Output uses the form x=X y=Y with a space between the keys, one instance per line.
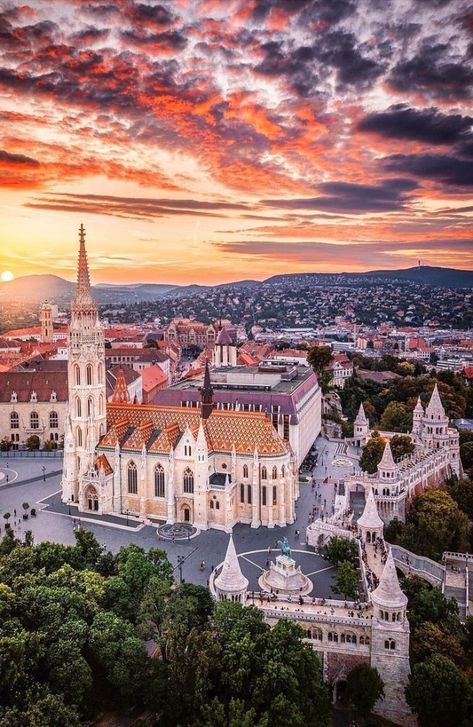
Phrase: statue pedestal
x=285 y=577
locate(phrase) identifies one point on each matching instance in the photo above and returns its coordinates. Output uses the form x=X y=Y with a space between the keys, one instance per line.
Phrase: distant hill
x=426 y=275
x=38 y=288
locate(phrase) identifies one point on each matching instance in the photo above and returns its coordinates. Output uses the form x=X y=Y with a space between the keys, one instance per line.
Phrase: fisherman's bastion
x=375 y=628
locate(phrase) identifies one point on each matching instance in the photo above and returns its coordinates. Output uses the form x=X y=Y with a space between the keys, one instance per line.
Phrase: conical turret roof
x=361 y=416
x=370 y=517
x=435 y=406
x=418 y=407
x=387 y=460
x=388 y=593
x=230 y=578
x=224 y=338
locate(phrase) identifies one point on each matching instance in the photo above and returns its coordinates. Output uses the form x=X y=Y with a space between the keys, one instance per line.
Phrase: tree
x=7 y=516
x=462 y=492
x=434 y=524
x=346 y=580
x=397 y=417
x=320 y=358
x=32 y=442
x=466 y=454
x=429 y=639
x=427 y=604
x=371 y=454
x=364 y=688
x=401 y=444
x=439 y=693
x=5 y=445
x=338 y=550
x=393 y=530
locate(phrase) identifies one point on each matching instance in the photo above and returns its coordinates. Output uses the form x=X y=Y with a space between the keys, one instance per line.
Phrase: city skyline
x=201 y=141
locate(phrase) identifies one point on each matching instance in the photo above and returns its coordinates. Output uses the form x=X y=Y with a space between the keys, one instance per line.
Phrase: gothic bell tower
x=86 y=382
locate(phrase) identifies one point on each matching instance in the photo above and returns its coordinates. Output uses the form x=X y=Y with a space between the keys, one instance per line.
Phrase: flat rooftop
x=283 y=379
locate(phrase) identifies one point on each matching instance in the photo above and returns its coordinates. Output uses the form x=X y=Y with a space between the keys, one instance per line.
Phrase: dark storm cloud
x=389 y=195
x=23 y=36
x=433 y=72
x=6 y=156
x=90 y=35
x=354 y=67
x=428 y=125
x=168 y=40
x=295 y=65
x=436 y=167
x=150 y=15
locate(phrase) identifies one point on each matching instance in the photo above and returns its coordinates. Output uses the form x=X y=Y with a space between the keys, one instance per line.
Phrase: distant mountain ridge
x=38 y=288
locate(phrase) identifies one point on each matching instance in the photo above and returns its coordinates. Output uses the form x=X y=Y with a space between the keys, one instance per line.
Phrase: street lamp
x=180 y=561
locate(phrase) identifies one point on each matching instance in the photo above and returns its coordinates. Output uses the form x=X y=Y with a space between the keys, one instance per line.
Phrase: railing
x=428 y=569
x=32 y=453
x=457 y=556
x=315 y=617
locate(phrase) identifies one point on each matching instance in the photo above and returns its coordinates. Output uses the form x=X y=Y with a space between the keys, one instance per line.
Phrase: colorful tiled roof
x=158 y=428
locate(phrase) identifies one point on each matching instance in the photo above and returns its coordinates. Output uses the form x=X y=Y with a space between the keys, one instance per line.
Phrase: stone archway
x=91 y=499
x=185 y=513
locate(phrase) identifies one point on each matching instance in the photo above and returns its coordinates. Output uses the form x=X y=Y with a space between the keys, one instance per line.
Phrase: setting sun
x=6 y=276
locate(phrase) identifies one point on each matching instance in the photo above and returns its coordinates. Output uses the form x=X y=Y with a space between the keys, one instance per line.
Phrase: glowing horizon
x=208 y=142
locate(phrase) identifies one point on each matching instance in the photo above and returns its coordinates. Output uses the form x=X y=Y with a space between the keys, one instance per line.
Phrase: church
x=205 y=466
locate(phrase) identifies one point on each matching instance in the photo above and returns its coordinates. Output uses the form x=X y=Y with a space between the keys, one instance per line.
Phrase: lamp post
x=44 y=473
x=69 y=505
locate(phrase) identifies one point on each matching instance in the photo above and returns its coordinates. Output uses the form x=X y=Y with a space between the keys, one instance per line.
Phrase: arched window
x=217 y=505
x=79 y=436
x=159 y=481
x=211 y=504
x=263 y=495
x=78 y=407
x=275 y=495
x=14 y=420
x=242 y=493
x=53 y=420
x=77 y=374
x=34 y=420
x=132 y=479
x=188 y=481
x=275 y=473
x=390 y=644
x=99 y=373
x=89 y=374
x=245 y=470
x=90 y=407
x=264 y=473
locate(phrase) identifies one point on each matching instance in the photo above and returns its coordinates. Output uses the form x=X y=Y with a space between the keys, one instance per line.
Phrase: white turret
x=435 y=423
x=417 y=416
x=387 y=468
x=225 y=351
x=361 y=428
x=370 y=524
x=390 y=643
x=231 y=584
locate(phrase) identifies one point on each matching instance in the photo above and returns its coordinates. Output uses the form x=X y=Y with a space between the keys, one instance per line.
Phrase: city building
x=207 y=466
x=190 y=333
x=288 y=394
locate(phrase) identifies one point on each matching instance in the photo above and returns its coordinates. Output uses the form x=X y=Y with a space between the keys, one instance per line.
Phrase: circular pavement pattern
x=178 y=531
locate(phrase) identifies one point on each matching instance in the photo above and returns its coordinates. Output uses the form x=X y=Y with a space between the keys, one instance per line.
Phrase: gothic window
x=78 y=407
x=77 y=374
x=249 y=494
x=90 y=406
x=274 y=474
x=159 y=481
x=34 y=420
x=217 y=505
x=88 y=375
x=264 y=473
x=53 y=420
x=188 y=481
x=275 y=495
x=14 y=420
x=100 y=374
x=211 y=504
x=245 y=470
x=390 y=644
x=263 y=492
x=79 y=437
x=132 y=479
x=242 y=493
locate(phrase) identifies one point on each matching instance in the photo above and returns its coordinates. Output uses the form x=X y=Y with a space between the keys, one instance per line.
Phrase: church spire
x=83 y=292
x=207 y=394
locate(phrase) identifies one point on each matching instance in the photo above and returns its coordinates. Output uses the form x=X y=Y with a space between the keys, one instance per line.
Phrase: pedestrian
x=14 y=512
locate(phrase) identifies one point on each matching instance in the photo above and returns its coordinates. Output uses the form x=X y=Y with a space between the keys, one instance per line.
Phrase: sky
x=209 y=141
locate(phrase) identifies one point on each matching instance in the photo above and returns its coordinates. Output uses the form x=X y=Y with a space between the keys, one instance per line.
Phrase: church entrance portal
x=92 y=499
x=341 y=695
x=187 y=515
